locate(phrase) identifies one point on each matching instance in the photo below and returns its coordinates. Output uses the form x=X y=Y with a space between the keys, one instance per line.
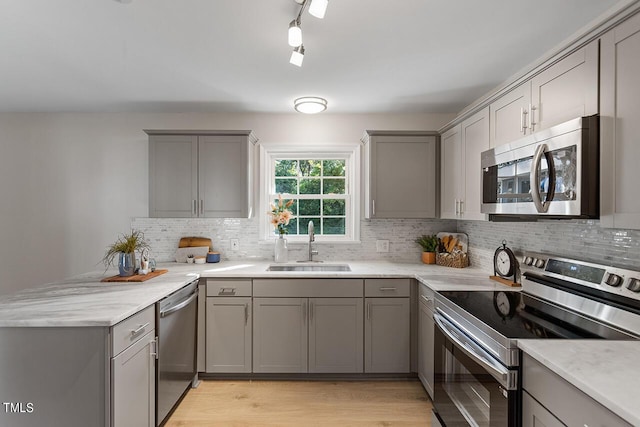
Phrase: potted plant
x=429 y=244
x=125 y=248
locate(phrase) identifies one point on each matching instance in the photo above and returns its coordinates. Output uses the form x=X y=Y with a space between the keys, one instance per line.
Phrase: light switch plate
x=382 y=246
x=235 y=244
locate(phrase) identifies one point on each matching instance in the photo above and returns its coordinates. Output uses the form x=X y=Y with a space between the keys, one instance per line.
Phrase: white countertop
x=85 y=301
x=607 y=371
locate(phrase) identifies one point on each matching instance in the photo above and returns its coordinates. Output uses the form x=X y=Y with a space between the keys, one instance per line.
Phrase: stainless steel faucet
x=312 y=238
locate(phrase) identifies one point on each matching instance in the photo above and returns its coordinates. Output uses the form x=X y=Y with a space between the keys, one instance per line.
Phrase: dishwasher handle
x=179 y=306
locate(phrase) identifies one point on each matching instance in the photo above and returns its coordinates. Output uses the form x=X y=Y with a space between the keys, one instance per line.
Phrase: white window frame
x=351 y=155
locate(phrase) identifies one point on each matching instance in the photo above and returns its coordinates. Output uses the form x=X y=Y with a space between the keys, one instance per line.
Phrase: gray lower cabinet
x=549 y=400
x=426 y=327
x=387 y=335
x=335 y=335
x=280 y=335
x=228 y=330
x=133 y=382
x=133 y=370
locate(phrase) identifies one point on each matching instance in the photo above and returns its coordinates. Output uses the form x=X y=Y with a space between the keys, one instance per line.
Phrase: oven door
x=471 y=387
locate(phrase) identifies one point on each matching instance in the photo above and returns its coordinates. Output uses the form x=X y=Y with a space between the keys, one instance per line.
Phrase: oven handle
x=535 y=179
x=505 y=377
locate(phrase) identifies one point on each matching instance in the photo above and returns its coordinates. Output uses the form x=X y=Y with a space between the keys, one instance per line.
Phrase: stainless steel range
x=477 y=361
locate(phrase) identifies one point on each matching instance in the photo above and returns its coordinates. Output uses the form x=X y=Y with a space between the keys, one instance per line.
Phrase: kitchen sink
x=310 y=267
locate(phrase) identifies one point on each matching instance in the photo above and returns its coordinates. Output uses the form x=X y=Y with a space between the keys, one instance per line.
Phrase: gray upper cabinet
x=400 y=174
x=620 y=115
x=201 y=173
x=461 y=171
x=565 y=90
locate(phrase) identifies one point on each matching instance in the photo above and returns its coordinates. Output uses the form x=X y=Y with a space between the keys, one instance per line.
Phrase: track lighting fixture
x=317 y=8
x=297 y=56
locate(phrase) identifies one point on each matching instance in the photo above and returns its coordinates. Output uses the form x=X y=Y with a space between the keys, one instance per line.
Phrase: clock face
x=504 y=266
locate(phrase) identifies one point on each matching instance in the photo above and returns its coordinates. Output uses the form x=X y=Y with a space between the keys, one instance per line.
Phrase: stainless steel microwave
x=553 y=173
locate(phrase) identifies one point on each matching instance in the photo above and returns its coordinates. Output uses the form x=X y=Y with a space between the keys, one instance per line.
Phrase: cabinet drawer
x=132 y=329
x=228 y=288
x=387 y=287
x=427 y=296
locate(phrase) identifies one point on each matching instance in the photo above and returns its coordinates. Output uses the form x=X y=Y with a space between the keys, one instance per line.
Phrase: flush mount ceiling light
x=310 y=104
x=317 y=8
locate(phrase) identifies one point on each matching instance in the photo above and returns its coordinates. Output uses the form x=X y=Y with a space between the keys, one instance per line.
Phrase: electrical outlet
x=382 y=246
x=235 y=245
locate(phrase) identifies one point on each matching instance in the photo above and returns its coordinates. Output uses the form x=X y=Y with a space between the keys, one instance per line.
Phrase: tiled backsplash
x=580 y=239
x=575 y=238
x=164 y=234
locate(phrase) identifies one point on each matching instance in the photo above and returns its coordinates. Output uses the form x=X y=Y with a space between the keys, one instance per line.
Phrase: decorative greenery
x=126 y=243
x=281 y=215
x=428 y=243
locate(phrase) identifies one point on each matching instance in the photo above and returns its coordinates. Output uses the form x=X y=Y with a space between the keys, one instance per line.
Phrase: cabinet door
x=336 y=335
x=133 y=384
x=426 y=347
x=536 y=415
x=566 y=90
x=450 y=172
x=173 y=176
x=508 y=116
x=403 y=176
x=620 y=115
x=280 y=335
x=228 y=334
x=387 y=335
x=475 y=140
x=223 y=171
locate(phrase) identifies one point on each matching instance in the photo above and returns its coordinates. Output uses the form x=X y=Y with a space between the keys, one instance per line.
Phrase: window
x=321 y=186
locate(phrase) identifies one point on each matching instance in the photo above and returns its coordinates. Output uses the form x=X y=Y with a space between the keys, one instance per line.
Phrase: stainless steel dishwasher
x=176 y=321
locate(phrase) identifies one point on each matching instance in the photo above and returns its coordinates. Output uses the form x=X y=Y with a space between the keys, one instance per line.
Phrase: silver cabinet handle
x=154 y=349
x=368 y=311
x=246 y=314
x=427 y=299
x=461 y=207
x=135 y=332
x=532 y=123
x=194 y=208
x=311 y=312
x=384 y=289
x=373 y=207
x=227 y=291
x=201 y=206
x=523 y=120
x=456 y=209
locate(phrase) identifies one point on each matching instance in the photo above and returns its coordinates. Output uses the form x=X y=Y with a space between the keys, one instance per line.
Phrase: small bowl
x=213 y=257
x=200 y=260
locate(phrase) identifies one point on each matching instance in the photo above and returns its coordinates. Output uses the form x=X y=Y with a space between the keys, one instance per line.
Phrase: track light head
x=318 y=8
x=295 y=33
x=297 y=56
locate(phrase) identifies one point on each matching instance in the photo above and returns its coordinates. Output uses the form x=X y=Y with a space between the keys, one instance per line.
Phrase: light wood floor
x=304 y=403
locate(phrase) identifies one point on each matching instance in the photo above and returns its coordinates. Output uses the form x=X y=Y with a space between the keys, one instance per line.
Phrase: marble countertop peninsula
x=607 y=371
x=85 y=301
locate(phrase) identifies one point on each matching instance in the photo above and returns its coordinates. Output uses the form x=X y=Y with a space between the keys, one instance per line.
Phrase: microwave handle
x=542 y=207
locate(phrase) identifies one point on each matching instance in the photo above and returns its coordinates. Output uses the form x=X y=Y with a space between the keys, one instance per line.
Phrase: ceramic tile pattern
x=583 y=239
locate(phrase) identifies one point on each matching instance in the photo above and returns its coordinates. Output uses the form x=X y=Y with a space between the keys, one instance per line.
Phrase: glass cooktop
x=517 y=315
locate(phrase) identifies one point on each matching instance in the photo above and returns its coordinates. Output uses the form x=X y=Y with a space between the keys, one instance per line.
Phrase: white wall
x=70 y=183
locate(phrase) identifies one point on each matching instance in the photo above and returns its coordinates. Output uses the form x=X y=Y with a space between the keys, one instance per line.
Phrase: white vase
x=280 y=253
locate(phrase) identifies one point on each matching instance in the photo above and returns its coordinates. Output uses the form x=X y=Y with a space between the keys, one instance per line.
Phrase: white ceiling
x=233 y=56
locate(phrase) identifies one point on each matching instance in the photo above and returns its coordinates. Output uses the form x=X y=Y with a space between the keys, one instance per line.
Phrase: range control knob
x=613 y=280
x=528 y=260
x=539 y=263
x=634 y=285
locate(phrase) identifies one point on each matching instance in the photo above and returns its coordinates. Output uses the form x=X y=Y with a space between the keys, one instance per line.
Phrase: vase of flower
x=280 y=217
x=281 y=254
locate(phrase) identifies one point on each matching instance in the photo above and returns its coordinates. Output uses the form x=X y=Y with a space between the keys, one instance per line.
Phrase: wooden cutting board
x=135 y=277
x=190 y=242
